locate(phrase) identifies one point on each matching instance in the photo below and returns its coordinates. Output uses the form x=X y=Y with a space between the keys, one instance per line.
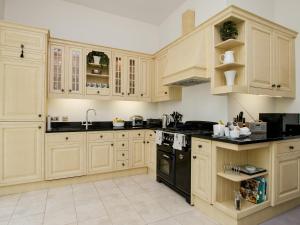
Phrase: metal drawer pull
x=165 y=156
x=194 y=157
x=291 y=147
x=199 y=146
x=22 y=51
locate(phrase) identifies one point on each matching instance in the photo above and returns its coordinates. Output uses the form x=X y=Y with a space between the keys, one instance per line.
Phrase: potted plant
x=228 y=30
x=104 y=61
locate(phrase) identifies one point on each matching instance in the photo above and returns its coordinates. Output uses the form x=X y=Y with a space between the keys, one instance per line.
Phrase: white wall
x=2 y=9
x=75 y=109
x=287 y=13
x=74 y=22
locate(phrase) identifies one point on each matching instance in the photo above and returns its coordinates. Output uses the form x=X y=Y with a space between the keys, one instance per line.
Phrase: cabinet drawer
x=122 y=155
x=122 y=135
x=121 y=144
x=13 y=53
x=65 y=138
x=100 y=136
x=150 y=134
x=287 y=147
x=201 y=147
x=122 y=164
x=137 y=134
x=17 y=37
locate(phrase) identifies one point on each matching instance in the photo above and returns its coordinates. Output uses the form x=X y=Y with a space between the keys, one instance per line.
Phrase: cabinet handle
x=273 y=85
x=123 y=154
x=278 y=86
x=123 y=164
x=123 y=144
x=291 y=147
x=67 y=138
x=150 y=135
x=148 y=142
x=144 y=142
x=62 y=90
x=142 y=95
x=40 y=115
x=98 y=92
x=22 y=51
x=139 y=134
x=199 y=146
x=112 y=144
x=122 y=93
x=101 y=136
x=123 y=135
x=194 y=157
x=70 y=90
x=128 y=93
x=40 y=127
x=166 y=92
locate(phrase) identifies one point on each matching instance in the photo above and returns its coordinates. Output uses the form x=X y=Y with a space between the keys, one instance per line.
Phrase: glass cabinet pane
x=118 y=75
x=75 y=70
x=57 y=69
x=132 y=76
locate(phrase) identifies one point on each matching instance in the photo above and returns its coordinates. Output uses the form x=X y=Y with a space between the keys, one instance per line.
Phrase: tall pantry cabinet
x=23 y=52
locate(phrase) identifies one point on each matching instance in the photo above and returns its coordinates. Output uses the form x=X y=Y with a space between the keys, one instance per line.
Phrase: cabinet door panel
x=284 y=62
x=57 y=70
x=100 y=157
x=75 y=73
x=21 y=149
x=145 y=78
x=137 y=148
x=132 y=77
x=119 y=74
x=201 y=177
x=260 y=57
x=22 y=91
x=160 y=67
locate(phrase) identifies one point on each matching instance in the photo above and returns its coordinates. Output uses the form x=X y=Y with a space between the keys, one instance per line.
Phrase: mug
x=227 y=57
x=230 y=76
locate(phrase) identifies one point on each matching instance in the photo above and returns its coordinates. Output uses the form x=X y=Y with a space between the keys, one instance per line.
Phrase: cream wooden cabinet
x=150 y=152
x=22 y=84
x=21 y=152
x=201 y=180
x=137 y=148
x=145 y=78
x=119 y=74
x=133 y=77
x=100 y=157
x=66 y=74
x=65 y=155
x=286 y=171
x=161 y=92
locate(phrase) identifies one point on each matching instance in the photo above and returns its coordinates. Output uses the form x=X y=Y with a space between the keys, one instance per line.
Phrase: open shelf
x=240 y=177
x=96 y=65
x=229 y=89
x=229 y=66
x=246 y=209
x=230 y=43
x=97 y=75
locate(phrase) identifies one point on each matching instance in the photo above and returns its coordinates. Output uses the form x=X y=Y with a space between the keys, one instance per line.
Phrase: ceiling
x=149 y=11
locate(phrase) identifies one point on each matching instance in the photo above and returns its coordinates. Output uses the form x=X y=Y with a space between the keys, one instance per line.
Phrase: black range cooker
x=173 y=165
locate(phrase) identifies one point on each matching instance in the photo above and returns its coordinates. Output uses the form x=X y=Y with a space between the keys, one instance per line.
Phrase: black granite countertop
x=252 y=139
x=60 y=127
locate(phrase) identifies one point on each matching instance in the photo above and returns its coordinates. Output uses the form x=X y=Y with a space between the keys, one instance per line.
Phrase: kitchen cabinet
x=145 y=78
x=150 y=152
x=137 y=148
x=65 y=155
x=287 y=172
x=100 y=157
x=201 y=183
x=66 y=74
x=21 y=152
x=161 y=92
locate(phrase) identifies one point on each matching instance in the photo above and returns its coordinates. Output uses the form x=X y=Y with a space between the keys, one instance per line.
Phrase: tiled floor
x=136 y=200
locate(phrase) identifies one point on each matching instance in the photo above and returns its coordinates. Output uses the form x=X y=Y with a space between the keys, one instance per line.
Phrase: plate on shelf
x=251 y=170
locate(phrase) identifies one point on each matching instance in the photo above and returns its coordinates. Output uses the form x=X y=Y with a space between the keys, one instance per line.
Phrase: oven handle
x=165 y=156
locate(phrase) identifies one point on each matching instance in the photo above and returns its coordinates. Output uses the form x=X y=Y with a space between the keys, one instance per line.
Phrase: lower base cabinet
x=137 y=148
x=100 y=157
x=65 y=155
x=150 y=155
x=21 y=152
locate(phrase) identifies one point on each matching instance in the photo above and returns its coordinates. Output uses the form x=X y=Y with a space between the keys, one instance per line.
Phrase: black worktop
x=252 y=139
x=59 y=127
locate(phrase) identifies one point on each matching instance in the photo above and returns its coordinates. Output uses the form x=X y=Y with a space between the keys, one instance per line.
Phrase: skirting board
x=254 y=219
x=68 y=181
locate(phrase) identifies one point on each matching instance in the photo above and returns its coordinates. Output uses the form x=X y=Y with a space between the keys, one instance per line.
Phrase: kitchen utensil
x=177 y=117
x=137 y=121
x=230 y=76
x=227 y=57
x=166 y=120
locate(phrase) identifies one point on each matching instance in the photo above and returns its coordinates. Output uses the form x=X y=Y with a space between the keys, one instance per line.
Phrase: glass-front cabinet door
x=98 y=73
x=57 y=70
x=132 y=77
x=75 y=78
x=119 y=74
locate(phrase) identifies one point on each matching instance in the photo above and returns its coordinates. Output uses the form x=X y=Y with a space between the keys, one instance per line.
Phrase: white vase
x=96 y=59
x=230 y=76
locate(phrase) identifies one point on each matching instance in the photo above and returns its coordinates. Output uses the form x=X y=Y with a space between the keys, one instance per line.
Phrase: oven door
x=165 y=166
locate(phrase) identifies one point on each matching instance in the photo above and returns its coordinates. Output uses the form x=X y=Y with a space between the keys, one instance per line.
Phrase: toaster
x=137 y=121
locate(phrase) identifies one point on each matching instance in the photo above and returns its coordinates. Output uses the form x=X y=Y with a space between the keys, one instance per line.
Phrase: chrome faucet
x=88 y=123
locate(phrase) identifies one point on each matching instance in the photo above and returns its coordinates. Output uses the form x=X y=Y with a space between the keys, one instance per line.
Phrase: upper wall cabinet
x=22 y=73
x=65 y=70
x=187 y=59
x=263 y=59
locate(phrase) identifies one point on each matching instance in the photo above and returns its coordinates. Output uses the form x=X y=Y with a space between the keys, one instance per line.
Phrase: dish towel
x=158 y=137
x=179 y=141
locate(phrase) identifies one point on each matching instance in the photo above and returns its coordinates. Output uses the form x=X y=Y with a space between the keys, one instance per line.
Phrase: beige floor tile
x=3 y=222
x=103 y=192
x=133 y=189
x=89 y=211
x=100 y=221
x=194 y=217
x=29 y=220
x=29 y=208
x=124 y=181
x=9 y=200
x=128 y=218
x=175 y=205
x=105 y=184
x=169 y=221
x=61 y=217
x=144 y=178
x=6 y=212
x=140 y=198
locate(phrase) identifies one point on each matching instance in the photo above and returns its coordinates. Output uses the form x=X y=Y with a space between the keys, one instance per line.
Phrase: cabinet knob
x=148 y=142
x=40 y=115
x=150 y=135
x=144 y=142
x=194 y=157
x=123 y=135
x=123 y=164
x=291 y=147
x=22 y=51
x=122 y=93
x=70 y=90
x=40 y=127
x=67 y=138
x=199 y=146
x=142 y=95
x=62 y=90
x=166 y=92
x=112 y=144
x=123 y=154
x=273 y=85
x=128 y=93
x=278 y=86
x=98 y=92
x=139 y=134
x=101 y=136
x=123 y=144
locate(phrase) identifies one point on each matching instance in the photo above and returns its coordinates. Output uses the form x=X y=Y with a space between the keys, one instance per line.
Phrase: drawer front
x=122 y=155
x=65 y=138
x=100 y=136
x=17 y=37
x=199 y=146
x=122 y=135
x=13 y=53
x=122 y=164
x=137 y=134
x=288 y=146
x=149 y=134
x=121 y=144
